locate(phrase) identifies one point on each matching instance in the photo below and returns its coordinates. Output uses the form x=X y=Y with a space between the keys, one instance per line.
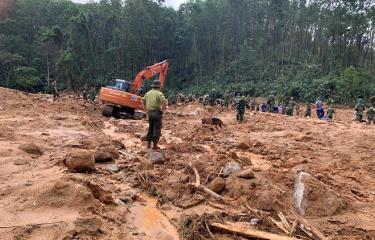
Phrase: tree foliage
x=306 y=49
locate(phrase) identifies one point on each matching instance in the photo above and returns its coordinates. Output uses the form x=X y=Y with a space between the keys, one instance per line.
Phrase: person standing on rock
x=154 y=102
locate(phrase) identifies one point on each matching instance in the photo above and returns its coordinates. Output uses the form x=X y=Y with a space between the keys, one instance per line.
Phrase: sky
x=169 y=3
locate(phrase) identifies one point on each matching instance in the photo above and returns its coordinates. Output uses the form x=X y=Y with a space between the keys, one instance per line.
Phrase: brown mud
x=132 y=198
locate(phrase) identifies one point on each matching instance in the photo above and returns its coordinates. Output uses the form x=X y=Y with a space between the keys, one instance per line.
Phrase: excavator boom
x=149 y=72
x=126 y=99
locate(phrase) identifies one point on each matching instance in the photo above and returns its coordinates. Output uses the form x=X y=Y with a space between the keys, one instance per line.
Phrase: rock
x=80 y=160
x=113 y=168
x=155 y=157
x=314 y=198
x=163 y=235
x=188 y=202
x=28 y=183
x=246 y=173
x=21 y=161
x=246 y=160
x=233 y=155
x=243 y=145
x=31 y=148
x=113 y=151
x=102 y=156
x=217 y=185
x=171 y=194
x=100 y=193
x=91 y=225
x=231 y=168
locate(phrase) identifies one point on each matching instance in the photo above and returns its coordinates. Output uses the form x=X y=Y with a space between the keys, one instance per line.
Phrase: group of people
x=290 y=108
x=89 y=94
x=155 y=103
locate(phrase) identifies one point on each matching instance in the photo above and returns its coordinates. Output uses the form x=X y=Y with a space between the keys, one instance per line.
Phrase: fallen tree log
x=248 y=232
x=200 y=187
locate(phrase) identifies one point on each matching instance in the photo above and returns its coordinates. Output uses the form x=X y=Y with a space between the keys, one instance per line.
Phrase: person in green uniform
x=291 y=105
x=154 y=102
x=308 y=111
x=359 y=109
x=330 y=113
x=212 y=97
x=271 y=103
x=241 y=107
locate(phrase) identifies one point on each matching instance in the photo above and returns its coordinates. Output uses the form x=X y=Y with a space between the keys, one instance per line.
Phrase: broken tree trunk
x=248 y=232
x=198 y=185
x=313 y=230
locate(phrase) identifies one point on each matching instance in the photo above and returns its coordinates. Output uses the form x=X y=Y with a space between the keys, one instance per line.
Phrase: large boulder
x=246 y=174
x=231 y=168
x=100 y=193
x=31 y=148
x=155 y=157
x=103 y=156
x=314 y=198
x=80 y=160
x=217 y=185
x=89 y=225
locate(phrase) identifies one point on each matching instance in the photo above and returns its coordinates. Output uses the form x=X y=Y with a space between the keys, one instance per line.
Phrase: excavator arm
x=146 y=74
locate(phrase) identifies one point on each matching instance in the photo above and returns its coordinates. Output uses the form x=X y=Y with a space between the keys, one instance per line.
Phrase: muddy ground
x=131 y=197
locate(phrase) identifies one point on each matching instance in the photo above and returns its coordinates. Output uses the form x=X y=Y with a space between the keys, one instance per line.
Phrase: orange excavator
x=124 y=97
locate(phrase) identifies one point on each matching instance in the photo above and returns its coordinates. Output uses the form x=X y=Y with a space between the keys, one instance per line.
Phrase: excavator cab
x=122 y=85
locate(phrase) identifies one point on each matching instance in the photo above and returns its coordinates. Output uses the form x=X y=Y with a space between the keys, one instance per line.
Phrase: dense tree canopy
x=306 y=49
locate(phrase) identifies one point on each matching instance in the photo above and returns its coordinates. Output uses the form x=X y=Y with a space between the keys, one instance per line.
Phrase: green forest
x=299 y=48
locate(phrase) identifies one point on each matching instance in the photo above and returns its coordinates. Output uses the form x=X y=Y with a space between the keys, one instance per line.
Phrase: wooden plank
x=248 y=232
x=319 y=235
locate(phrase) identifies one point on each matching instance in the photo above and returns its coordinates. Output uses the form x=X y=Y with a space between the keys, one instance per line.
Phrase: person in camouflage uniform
x=308 y=111
x=241 y=107
x=212 y=97
x=298 y=109
x=85 y=93
x=330 y=112
x=253 y=105
x=359 y=109
x=206 y=100
x=93 y=94
x=271 y=103
x=291 y=105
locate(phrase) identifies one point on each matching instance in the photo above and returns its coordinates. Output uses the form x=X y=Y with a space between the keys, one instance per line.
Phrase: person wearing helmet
x=154 y=102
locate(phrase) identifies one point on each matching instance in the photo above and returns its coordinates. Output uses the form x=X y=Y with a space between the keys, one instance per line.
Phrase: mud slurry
x=131 y=198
